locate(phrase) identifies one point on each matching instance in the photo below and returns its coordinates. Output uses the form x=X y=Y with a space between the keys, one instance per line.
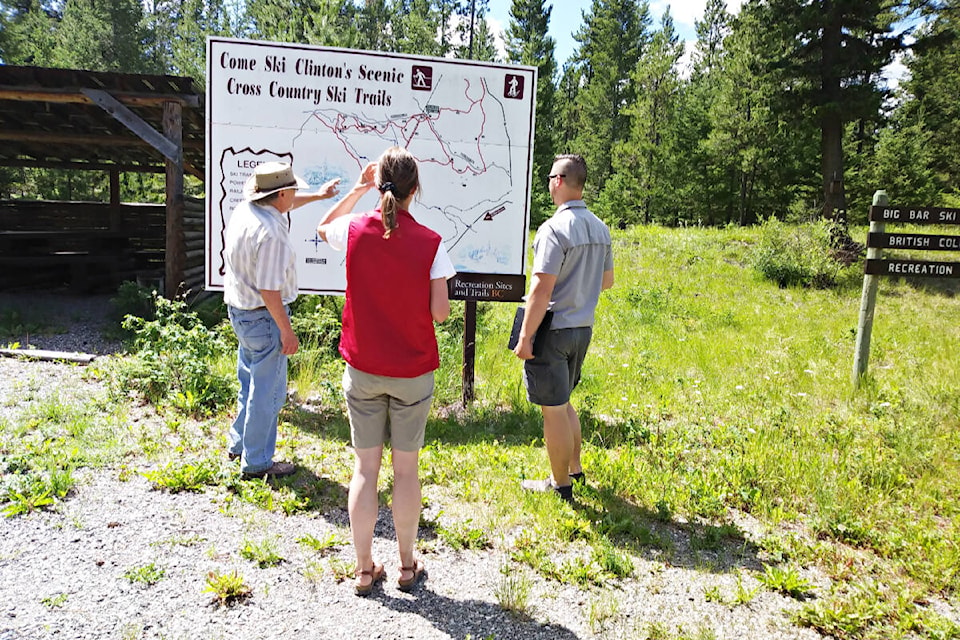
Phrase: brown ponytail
x=399 y=176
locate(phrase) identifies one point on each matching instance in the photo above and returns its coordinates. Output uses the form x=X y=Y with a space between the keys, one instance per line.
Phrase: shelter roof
x=66 y=118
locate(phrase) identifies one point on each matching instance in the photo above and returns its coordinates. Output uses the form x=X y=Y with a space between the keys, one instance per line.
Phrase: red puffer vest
x=387 y=325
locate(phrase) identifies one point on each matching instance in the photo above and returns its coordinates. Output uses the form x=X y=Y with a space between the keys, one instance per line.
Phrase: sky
x=567 y=17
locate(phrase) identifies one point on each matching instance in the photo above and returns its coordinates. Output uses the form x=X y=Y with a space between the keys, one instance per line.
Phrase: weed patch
x=227 y=588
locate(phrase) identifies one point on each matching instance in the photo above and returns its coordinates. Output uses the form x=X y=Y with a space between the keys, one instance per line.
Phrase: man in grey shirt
x=572 y=264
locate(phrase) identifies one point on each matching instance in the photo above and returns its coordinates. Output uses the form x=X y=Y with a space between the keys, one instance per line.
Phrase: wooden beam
x=136 y=124
x=22 y=94
x=83 y=166
x=54 y=356
x=190 y=168
x=79 y=139
x=175 y=244
x=114 y=190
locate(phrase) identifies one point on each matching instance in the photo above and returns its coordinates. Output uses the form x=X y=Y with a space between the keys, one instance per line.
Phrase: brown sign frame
x=913 y=241
x=487 y=287
x=912 y=268
x=915 y=215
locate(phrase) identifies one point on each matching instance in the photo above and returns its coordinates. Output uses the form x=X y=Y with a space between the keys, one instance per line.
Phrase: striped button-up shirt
x=258 y=256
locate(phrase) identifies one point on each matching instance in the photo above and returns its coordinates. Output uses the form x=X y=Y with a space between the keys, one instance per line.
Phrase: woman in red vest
x=397 y=271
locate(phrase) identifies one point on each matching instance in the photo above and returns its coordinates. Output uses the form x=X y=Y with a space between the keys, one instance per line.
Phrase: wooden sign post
x=473 y=288
x=882 y=213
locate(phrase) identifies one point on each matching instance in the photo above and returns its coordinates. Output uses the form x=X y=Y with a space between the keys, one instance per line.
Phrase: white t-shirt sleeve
x=338 y=231
x=442 y=267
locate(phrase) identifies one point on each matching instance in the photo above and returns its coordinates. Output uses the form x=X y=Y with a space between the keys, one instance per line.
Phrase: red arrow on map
x=490 y=214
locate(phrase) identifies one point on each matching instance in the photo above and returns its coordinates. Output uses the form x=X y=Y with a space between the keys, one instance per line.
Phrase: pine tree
x=528 y=43
x=613 y=37
x=415 y=25
x=642 y=189
x=484 y=44
x=372 y=22
x=711 y=31
x=282 y=20
x=930 y=93
x=828 y=56
x=27 y=32
x=755 y=152
x=180 y=28
x=706 y=198
x=103 y=35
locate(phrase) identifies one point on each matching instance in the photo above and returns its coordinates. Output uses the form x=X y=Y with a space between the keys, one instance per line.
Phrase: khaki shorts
x=383 y=408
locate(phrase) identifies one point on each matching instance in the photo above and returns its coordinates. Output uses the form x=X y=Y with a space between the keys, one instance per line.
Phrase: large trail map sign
x=330 y=111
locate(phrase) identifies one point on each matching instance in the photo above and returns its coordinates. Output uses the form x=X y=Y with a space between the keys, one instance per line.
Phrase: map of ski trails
x=331 y=111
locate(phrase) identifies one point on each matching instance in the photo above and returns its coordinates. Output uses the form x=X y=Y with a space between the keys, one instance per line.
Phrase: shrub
x=132 y=300
x=796 y=255
x=174 y=361
x=316 y=321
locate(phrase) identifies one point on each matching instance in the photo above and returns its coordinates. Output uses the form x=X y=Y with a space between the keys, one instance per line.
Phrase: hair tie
x=388 y=186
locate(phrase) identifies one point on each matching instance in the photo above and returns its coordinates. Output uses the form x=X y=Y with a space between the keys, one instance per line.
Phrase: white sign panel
x=331 y=111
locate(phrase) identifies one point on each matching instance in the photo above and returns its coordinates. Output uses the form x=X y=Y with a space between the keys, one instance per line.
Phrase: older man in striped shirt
x=259 y=284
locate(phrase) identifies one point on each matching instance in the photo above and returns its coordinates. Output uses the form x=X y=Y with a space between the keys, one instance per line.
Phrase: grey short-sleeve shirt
x=575 y=246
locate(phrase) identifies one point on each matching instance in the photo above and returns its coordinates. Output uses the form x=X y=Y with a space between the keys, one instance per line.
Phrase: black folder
x=539 y=340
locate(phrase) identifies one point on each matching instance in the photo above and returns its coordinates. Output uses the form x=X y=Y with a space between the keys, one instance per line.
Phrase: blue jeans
x=262 y=371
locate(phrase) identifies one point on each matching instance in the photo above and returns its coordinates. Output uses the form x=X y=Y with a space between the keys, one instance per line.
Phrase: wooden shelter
x=112 y=122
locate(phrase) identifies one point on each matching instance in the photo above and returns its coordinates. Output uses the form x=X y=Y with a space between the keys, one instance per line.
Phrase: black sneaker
x=546 y=485
x=539 y=486
x=277 y=470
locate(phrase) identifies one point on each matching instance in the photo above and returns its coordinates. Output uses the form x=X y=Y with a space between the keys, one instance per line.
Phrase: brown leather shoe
x=277 y=470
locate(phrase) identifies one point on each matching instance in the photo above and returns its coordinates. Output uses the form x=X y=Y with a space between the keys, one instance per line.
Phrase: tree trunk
x=831 y=122
x=831 y=148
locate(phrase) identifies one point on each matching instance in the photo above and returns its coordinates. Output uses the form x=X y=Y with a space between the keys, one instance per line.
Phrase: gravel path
x=62 y=572
x=72 y=323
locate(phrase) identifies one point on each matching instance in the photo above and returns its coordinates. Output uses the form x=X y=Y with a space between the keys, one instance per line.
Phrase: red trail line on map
x=340 y=125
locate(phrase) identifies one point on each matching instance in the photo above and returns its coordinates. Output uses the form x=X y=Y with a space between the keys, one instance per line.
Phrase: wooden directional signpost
x=881 y=214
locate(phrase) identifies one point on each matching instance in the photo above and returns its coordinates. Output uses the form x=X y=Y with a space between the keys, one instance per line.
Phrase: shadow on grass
x=657 y=536
x=947 y=287
x=318 y=420
x=310 y=492
x=648 y=533
x=452 y=425
x=470 y=618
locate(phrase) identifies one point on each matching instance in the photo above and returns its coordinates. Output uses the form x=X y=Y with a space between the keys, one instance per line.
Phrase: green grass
x=146 y=574
x=50 y=438
x=19 y=324
x=708 y=392
x=227 y=588
x=263 y=552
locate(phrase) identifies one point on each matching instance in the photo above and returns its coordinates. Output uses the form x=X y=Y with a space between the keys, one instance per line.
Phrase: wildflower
x=739 y=387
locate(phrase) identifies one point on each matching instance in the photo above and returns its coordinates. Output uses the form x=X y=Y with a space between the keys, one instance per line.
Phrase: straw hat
x=269 y=178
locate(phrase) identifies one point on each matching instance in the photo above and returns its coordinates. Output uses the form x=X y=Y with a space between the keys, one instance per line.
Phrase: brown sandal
x=408 y=585
x=376 y=573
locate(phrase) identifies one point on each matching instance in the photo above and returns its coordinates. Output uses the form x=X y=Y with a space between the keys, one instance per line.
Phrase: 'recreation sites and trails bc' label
x=331 y=111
